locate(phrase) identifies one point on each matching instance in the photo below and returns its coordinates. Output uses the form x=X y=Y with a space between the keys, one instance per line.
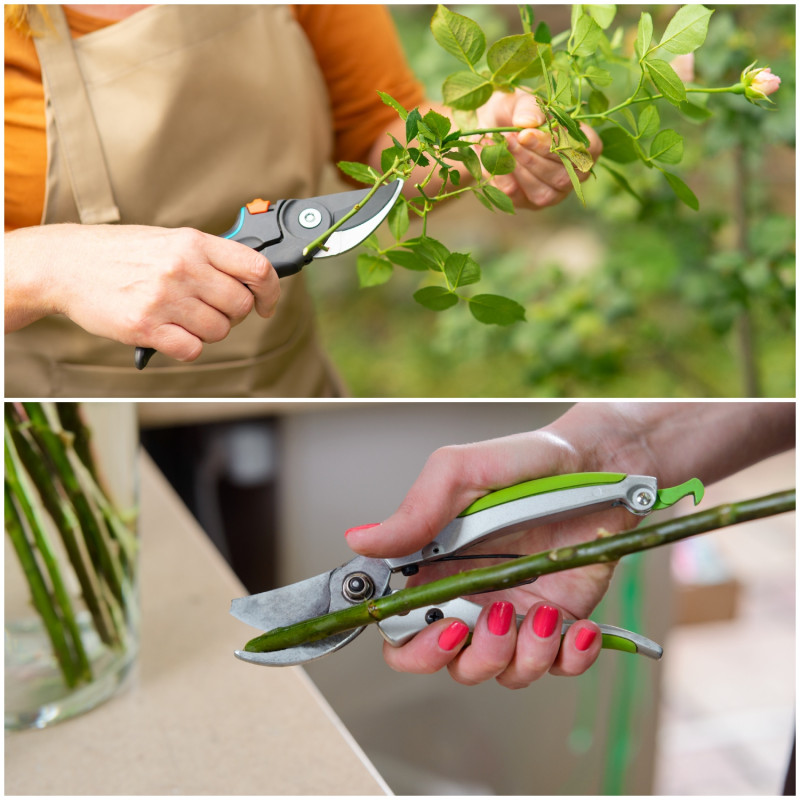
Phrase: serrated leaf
x=667 y=147
x=458 y=35
x=579 y=157
x=373 y=270
x=687 y=30
x=618 y=146
x=602 y=14
x=397 y=219
x=644 y=35
x=598 y=102
x=568 y=166
x=470 y=159
x=684 y=193
x=493 y=309
x=466 y=91
x=511 y=56
x=390 y=101
x=430 y=249
x=597 y=75
x=542 y=34
x=389 y=155
x=572 y=127
x=436 y=298
x=497 y=160
x=586 y=36
x=412 y=124
x=461 y=270
x=359 y=172
x=666 y=80
x=438 y=124
x=649 y=122
x=499 y=199
x=410 y=260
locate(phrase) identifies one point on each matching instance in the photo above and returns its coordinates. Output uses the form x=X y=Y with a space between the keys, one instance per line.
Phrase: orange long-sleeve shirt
x=357 y=49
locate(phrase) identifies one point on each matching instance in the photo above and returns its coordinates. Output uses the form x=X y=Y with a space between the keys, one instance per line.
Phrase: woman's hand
x=540 y=179
x=170 y=289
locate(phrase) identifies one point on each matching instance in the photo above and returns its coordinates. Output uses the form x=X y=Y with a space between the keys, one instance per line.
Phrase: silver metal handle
x=637 y=493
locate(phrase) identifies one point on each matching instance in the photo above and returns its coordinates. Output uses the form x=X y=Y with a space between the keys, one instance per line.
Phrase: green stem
x=320 y=240
x=650 y=98
x=65 y=521
x=601 y=550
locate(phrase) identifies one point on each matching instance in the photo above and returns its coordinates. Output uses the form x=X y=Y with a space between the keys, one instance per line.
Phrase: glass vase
x=71 y=604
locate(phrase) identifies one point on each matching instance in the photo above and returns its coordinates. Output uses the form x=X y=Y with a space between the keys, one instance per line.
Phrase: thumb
x=526 y=112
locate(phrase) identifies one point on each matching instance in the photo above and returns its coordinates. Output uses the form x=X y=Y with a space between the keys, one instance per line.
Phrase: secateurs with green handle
x=497 y=514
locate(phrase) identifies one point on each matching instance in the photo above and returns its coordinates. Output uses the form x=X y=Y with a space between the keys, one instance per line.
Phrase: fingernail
x=544 y=621
x=361 y=528
x=584 y=639
x=453 y=635
x=500 y=616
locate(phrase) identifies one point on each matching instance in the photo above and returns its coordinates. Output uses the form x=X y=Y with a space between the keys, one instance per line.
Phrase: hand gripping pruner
x=499 y=513
x=283 y=231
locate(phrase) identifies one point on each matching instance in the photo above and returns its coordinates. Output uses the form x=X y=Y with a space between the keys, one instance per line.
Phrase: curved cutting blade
x=305 y=600
x=363 y=223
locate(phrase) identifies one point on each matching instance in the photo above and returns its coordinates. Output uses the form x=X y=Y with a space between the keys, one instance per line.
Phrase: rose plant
x=587 y=75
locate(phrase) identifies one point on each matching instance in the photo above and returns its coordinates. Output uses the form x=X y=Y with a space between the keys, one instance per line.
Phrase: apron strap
x=77 y=131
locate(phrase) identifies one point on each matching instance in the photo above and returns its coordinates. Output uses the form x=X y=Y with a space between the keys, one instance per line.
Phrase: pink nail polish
x=500 y=616
x=584 y=639
x=544 y=621
x=362 y=528
x=453 y=635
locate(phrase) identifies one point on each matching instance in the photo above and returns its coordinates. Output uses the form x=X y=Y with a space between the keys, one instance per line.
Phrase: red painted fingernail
x=453 y=635
x=500 y=616
x=361 y=528
x=544 y=621
x=584 y=639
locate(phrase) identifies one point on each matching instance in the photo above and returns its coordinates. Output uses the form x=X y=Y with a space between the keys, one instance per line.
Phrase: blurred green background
x=622 y=300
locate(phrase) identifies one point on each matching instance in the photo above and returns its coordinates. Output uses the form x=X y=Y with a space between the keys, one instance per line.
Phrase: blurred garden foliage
x=623 y=298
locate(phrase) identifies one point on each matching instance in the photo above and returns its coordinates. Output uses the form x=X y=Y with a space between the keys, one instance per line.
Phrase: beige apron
x=176 y=116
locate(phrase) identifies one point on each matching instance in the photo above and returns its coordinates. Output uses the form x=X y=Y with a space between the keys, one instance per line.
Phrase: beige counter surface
x=192 y=719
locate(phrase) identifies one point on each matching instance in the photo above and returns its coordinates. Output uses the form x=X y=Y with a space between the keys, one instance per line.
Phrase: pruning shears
x=285 y=230
x=497 y=514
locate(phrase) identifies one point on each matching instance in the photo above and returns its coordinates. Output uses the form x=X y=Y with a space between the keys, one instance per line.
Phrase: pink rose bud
x=765 y=82
x=759 y=83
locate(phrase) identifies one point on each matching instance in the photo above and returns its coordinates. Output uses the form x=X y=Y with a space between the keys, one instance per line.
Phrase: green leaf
x=499 y=199
x=470 y=160
x=684 y=193
x=618 y=146
x=389 y=155
x=649 y=122
x=410 y=260
x=572 y=127
x=458 y=35
x=397 y=219
x=466 y=91
x=598 y=102
x=509 y=57
x=687 y=30
x=667 y=147
x=622 y=181
x=436 y=298
x=666 y=80
x=645 y=34
x=598 y=76
x=492 y=309
x=461 y=270
x=542 y=34
x=390 y=101
x=586 y=36
x=430 y=249
x=373 y=270
x=412 y=124
x=438 y=124
x=602 y=14
x=694 y=112
x=359 y=172
x=497 y=160
x=568 y=166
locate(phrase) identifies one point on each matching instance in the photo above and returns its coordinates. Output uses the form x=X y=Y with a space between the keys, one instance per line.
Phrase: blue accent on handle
x=230 y=234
